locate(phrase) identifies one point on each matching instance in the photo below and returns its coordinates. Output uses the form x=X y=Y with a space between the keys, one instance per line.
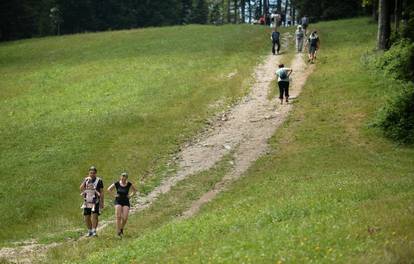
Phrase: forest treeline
x=30 y=18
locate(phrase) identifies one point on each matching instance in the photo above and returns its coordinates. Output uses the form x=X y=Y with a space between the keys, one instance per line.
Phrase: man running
x=91 y=216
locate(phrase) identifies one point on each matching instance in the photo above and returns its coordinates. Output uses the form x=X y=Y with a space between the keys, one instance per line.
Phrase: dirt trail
x=244 y=129
x=255 y=122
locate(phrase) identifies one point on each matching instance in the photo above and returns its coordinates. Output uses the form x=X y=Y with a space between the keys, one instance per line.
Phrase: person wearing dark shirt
x=91 y=216
x=275 y=37
x=121 y=201
x=314 y=44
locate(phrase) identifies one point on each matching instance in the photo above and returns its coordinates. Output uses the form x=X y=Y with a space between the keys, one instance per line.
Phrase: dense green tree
x=186 y=10
x=328 y=9
x=200 y=14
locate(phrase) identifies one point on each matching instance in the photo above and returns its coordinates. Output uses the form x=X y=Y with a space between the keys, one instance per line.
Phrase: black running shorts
x=122 y=202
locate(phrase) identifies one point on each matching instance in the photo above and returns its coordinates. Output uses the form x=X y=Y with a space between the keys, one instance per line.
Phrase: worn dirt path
x=243 y=130
x=250 y=127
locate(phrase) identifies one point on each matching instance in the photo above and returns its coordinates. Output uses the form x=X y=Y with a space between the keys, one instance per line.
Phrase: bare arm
x=134 y=191
x=83 y=184
x=110 y=188
x=101 y=198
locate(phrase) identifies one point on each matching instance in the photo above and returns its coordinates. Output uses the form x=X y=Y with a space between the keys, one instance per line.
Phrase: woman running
x=121 y=201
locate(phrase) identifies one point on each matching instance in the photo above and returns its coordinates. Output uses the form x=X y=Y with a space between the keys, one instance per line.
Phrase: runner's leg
x=118 y=217
x=88 y=221
x=125 y=212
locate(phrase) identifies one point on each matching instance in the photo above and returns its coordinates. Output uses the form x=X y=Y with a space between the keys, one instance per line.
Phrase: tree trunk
x=286 y=13
x=397 y=15
x=384 y=25
x=375 y=10
x=236 y=13
x=243 y=16
x=260 y=6
x=279 y=6
x=250 y=11
x=228 y=12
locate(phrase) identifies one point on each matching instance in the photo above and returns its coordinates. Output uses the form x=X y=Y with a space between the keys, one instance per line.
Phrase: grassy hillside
x=330 y=191
x=117 y=100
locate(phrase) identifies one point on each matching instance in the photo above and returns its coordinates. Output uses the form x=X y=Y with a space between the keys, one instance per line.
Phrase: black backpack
x=275 y=36
x=283 y=74
x=313 y=41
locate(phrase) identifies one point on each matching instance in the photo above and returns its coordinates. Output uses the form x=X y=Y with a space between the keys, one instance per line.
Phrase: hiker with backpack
x=121 y=201
x=314 y=44
x=275 y=37
x=299 y=34
x=283 y=82
x=92 y=191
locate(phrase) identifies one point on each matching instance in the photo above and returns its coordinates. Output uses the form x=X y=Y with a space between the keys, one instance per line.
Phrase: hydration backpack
x=313 y=40
x=283 y=74
x=275 y=36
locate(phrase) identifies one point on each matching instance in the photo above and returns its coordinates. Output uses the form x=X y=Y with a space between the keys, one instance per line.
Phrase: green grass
x=118 y=100
x=330 y=191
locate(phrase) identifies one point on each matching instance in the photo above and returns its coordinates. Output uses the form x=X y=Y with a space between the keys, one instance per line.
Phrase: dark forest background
x=33 y=18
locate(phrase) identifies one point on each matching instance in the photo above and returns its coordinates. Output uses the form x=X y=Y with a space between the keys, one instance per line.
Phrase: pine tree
x=200 y=14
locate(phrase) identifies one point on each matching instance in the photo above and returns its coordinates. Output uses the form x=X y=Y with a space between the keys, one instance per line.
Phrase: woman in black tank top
x=121 y=201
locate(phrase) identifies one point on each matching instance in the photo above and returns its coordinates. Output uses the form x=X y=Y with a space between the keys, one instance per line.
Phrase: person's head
x=92 y=171
x=281 y=65
x=314 y=32
x=124 y=176
x=299 y=27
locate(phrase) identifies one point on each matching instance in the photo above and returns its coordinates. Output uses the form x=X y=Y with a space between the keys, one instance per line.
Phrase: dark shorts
x=312 y=49
x=122 y=202
x=305 y=26
x=88 y=211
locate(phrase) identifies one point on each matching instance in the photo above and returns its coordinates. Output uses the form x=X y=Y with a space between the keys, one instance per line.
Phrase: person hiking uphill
x=300 y=35
x=283 y=82
x=275 y=37
x=313 y=42
x=121 y=201
x=91 y=216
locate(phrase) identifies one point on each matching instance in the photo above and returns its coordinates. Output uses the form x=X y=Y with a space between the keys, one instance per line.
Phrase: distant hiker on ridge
x=92 y=183
x=275 y=37
x=283 y=82
x=121 y=201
